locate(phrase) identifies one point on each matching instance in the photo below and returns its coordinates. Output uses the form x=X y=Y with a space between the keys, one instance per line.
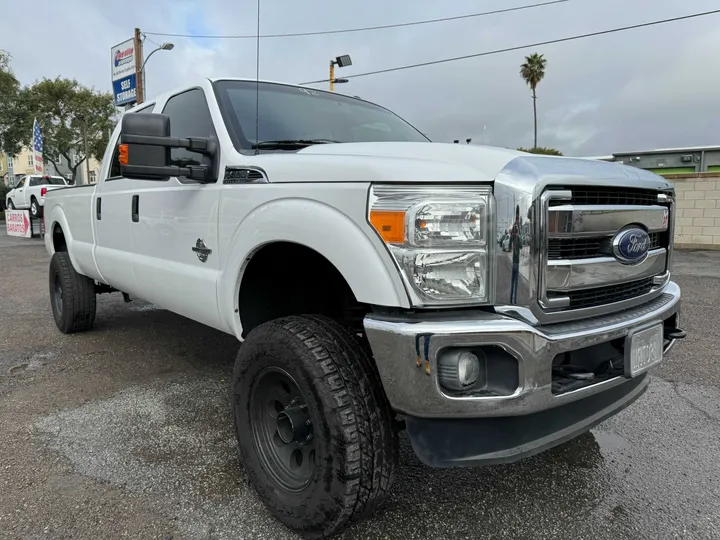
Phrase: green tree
x=10 y=106
x=68 y=113
x=533 y=71
x=546 y=151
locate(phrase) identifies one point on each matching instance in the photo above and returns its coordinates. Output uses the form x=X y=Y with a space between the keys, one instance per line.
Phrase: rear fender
x=57 y=217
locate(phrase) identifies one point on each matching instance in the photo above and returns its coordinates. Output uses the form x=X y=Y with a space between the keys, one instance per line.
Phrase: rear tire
x=72 y=296
x=35 y=208
x=310 y=370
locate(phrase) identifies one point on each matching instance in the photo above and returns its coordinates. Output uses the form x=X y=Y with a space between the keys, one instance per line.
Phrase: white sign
x=124 y=81
x=123 y=60
x=17 y=223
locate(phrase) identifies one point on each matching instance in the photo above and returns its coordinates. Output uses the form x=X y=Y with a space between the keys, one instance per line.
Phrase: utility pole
x=332 y=75
x=138 y=67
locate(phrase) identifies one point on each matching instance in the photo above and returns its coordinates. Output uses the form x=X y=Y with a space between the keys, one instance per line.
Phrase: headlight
x=439 y=239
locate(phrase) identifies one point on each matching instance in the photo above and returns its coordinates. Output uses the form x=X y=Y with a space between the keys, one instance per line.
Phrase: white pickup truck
x=358 y=263
x=30 y=191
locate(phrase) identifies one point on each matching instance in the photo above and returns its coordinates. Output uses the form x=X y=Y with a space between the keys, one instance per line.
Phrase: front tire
x=35 y=208
x=314 y=426
x=72 y=296
x=10 y=205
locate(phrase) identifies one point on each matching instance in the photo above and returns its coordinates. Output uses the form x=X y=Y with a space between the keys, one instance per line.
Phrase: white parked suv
x=30 y=191
x=357 y=262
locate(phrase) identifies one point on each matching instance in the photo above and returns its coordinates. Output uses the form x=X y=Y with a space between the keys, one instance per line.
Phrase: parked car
x=356 y=266
x=30 y=191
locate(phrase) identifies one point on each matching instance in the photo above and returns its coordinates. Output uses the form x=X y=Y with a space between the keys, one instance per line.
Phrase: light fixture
x=343 y=61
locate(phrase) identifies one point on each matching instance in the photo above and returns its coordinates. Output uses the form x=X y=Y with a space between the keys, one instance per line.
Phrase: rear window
x=46 y=181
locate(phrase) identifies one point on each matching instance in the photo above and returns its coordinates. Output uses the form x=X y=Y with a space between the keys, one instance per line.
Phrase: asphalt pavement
x=126 y=432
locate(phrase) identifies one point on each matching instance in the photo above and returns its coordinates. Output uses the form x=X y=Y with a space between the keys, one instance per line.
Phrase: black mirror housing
x=148 y=143
x=145 y=161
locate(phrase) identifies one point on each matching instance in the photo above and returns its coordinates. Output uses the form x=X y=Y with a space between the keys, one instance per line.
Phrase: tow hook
x=674 y=333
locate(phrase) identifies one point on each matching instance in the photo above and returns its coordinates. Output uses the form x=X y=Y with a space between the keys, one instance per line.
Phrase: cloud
x=627 y=91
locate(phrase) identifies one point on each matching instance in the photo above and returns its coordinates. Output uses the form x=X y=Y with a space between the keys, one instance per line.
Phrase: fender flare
x=361 y=258
x=58 y=218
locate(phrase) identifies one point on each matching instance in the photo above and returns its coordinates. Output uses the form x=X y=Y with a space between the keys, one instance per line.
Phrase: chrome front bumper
x=411 y=383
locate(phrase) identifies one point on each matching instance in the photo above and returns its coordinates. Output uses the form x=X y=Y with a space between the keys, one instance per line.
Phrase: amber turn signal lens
x=123 y=154
x=390 y=225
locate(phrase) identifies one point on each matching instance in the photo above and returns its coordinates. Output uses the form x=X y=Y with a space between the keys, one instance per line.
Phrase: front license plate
x=643 y=349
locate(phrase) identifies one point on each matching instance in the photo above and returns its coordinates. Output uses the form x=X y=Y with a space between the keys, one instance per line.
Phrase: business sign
x=17 y=223
x=124 y=79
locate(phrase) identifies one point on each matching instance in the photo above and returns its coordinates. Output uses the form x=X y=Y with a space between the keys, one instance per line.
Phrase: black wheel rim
x=57 y=296
x=282 y=429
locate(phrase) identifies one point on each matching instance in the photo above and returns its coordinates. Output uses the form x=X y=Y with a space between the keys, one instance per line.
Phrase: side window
x=21 y=183
x=115 y=163
x=189 y=117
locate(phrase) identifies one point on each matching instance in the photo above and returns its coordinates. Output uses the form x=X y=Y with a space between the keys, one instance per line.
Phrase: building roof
x=670 y=150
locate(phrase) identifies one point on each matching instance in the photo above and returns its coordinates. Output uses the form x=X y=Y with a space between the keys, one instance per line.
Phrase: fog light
x=458 y=369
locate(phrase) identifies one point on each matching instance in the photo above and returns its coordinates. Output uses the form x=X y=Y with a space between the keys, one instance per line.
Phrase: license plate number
x=643 y=350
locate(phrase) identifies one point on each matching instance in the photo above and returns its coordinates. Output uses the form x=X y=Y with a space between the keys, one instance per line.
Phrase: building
x=699 y=159
x=4 y=172
x=23 y=164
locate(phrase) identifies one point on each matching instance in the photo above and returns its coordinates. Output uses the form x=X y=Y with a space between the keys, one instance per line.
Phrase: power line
x=509 y=49
x=151 y=40
x=364 y=29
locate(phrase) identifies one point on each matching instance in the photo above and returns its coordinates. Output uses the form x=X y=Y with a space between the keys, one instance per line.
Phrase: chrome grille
x=579 y=275
x=585 y=248
x=611 y=196
x=601 y=296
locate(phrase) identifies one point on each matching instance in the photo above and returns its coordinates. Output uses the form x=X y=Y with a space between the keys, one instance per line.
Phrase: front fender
x=357 y=254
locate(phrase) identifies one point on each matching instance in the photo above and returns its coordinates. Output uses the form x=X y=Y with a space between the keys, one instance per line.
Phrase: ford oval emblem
x=631 y=245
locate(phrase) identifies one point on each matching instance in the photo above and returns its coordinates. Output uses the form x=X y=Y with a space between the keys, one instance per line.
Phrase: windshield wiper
x=290 y=144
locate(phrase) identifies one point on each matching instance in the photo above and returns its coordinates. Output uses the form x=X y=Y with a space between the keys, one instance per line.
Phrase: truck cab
x=358 y=263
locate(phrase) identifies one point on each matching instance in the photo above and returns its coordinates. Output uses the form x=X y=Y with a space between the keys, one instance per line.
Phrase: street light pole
x=163 y=47
x=340 y=61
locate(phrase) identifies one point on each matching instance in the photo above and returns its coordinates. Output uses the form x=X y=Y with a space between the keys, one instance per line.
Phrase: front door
x=19 y=195
x=175 y=235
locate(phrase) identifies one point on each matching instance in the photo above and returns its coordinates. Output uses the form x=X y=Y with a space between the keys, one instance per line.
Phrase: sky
x=655 y=87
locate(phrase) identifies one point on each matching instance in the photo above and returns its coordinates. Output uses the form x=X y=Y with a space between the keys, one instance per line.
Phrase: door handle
x=135 y=209
x=98 y=208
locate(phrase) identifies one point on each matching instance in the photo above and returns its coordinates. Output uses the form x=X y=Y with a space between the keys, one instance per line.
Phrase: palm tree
x=533 y=71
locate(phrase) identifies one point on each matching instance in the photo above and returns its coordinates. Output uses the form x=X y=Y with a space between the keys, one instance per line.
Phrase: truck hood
x=386 y=162
x=434 y=162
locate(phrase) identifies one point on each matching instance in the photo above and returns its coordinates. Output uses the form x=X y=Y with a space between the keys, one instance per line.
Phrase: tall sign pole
x=139 y=66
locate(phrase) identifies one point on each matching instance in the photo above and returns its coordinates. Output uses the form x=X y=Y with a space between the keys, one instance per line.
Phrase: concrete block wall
x=697 y=221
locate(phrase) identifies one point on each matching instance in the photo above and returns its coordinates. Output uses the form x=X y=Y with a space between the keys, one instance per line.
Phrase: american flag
x=37 y=147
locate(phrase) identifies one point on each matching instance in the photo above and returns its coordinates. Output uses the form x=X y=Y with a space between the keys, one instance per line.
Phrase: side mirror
x=145 y=146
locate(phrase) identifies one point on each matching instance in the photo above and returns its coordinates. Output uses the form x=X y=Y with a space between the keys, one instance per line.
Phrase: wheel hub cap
x=294 y=424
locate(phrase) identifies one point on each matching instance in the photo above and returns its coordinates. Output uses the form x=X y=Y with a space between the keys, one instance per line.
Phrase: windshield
x=289 y=113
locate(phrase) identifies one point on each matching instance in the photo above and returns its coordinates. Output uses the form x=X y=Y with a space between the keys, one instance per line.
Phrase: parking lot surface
x=126 y=432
